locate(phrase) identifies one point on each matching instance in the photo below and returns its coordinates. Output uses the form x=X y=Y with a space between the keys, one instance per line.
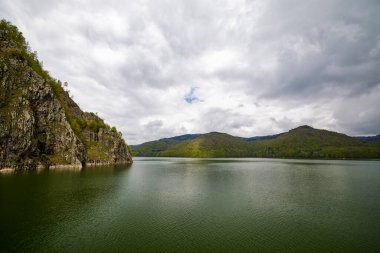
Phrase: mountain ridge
x=300 y=142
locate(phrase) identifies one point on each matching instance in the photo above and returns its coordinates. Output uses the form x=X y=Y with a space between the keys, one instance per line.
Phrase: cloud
x=153 y=125
x=262 y=66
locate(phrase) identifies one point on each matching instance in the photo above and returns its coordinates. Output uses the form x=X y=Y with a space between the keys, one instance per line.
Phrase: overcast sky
x=162 y=68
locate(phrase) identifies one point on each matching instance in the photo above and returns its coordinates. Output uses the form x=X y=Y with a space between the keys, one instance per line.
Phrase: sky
x=163 y=68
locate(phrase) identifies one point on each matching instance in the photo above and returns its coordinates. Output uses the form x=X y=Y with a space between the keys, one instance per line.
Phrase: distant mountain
x=259 y=138
x=210 y=145
x=374 y=139
x=301 y=142
x=153 y=148
x=307 y=142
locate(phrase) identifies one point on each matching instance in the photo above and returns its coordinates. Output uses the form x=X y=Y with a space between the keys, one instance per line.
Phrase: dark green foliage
x=152 y=148
x=31 y=58
x=185 y=137
x=196 y=145
x=10 y=35
x=210 y=145
x=302 y=142
x=129 y=149
x=306 y=142
x=13 y=42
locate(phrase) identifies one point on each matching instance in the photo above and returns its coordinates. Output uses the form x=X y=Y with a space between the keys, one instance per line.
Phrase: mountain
x=151 y=148
x=301 y=142
x=258 y=138
x=374 y=139
x=209 y=145
x=307 y=142
x=40 y=125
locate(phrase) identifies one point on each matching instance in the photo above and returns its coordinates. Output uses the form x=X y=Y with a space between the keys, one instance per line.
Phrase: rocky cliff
x=40 y=125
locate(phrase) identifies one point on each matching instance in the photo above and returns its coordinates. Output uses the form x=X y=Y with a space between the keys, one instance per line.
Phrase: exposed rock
x=40 y=125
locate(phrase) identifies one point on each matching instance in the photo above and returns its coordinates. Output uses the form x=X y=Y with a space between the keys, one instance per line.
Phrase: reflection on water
x=194 y=205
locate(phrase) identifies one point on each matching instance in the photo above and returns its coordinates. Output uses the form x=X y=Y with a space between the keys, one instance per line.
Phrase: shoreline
x=275 y=158
x=63 y=167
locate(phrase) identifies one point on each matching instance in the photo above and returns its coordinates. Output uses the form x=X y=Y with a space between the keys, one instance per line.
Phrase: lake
x=194 y=205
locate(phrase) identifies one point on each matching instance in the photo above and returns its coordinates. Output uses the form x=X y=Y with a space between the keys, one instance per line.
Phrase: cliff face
x=40 y=125
x=103 y=144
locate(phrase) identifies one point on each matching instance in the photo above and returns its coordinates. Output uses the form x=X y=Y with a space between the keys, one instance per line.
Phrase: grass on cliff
x=14 y=45
x=97 y=152
x=18 y=49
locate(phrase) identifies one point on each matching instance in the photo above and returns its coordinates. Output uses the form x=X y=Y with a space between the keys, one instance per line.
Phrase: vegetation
x=210 y=145
x=374 y=139
x=302 y=142
x=98 y=152
x=152 y=148
x=306 y=142
x=10 y=34
x=18 y=48
x=86 y=126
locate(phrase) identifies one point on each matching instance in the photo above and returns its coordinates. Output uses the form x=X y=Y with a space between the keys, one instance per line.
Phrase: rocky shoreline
x=64 y=166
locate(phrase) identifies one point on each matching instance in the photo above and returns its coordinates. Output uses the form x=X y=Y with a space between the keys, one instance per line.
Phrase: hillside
x=41 y=126
x=209 y=145
x=374 y=139
x=307 y=142
x=301 y=142
x=151 y=148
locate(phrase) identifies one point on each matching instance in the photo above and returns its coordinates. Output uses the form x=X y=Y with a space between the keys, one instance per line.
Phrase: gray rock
x=38 y=119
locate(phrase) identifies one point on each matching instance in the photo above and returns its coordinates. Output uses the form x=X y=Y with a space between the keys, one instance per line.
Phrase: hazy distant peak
x=303 y=127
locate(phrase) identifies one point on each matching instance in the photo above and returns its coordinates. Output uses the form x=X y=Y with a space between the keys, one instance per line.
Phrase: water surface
x=194 y=205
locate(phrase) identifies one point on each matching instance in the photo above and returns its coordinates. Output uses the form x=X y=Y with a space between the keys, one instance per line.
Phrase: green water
x=195 y=205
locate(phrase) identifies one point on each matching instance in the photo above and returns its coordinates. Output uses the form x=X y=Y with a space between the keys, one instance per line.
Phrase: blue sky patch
x=190 y=97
